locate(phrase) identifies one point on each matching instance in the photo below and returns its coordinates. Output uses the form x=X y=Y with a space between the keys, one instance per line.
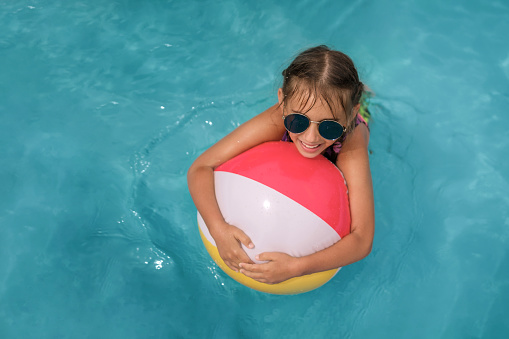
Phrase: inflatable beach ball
x=285 y=203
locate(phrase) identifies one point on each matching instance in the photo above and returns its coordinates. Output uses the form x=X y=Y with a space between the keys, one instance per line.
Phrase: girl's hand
x=228 y=243
x=280 y=267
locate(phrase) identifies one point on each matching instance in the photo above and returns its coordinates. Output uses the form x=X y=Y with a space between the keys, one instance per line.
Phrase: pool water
x=104 y=105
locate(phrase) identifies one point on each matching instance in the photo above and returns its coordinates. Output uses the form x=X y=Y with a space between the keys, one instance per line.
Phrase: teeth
x=309 y=146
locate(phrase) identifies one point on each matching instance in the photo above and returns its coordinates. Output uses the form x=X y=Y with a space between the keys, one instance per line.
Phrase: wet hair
x=327 y=75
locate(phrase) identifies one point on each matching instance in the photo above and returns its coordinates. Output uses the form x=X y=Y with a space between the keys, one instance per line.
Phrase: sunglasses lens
x=296 y=123
x=330 y=130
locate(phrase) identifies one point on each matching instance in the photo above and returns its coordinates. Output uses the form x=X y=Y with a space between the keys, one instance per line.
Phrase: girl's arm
x=354 y=163
x=267 y=126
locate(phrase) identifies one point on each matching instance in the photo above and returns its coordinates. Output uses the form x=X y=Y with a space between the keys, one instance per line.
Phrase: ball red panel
x=316 y=183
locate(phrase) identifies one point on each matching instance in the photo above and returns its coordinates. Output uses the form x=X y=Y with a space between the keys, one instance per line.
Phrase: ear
x=280 y=96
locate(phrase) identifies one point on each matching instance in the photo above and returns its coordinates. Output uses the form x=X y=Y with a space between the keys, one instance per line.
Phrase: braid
x=356 y=96
x=357 y=92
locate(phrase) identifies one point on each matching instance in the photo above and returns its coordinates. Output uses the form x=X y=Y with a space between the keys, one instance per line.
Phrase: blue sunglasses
x=297 y=123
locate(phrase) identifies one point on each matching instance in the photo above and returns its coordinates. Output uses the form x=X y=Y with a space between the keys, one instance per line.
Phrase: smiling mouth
x=308 y=146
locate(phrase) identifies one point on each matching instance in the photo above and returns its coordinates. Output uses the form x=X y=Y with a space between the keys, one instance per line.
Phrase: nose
x=312 y=134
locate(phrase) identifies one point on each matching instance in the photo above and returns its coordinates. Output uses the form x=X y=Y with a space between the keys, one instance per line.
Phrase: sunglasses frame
x=315 y=122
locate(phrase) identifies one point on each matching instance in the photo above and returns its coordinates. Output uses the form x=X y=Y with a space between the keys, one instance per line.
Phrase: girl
x=317 y=110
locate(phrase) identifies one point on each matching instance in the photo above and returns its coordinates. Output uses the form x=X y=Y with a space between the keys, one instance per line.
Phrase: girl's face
x=310 y=143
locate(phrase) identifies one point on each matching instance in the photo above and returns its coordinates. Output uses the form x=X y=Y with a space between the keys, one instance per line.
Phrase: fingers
x=254 y=271
x=262 y=267
x=238 y=255
x=277 y=268
x=228 y=243
x=244 y=239
x=235 y=257
x=265 y=256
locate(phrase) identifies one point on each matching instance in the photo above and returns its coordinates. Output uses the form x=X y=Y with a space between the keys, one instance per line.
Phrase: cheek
x=293 y=136
x=328 y=142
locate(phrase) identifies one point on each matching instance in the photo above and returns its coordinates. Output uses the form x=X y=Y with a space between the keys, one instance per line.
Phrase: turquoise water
x=104 y=105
